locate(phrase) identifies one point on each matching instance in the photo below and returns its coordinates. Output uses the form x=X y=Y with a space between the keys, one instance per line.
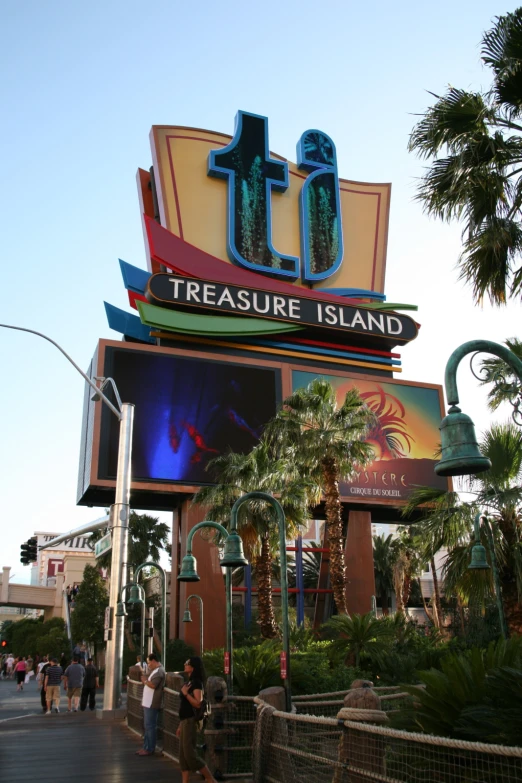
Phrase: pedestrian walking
x=28 y=669
x=151 y=701
x=63 y=661
x=191 y=698
x=52 y=682
x=73 y=682
x=41 y=682
x=90 y=683
x=20 y=669
x=10 y=666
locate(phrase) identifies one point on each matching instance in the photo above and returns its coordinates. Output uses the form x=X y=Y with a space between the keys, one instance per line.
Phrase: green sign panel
x=103 y=545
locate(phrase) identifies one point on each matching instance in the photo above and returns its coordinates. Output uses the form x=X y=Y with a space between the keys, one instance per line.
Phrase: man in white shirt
x=151 y=702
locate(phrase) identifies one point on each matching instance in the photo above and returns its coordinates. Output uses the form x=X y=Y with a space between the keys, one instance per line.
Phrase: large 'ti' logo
x=252 y=175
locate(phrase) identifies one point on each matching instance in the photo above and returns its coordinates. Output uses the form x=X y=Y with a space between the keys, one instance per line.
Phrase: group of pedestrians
x=78 y=680
x=19 y=668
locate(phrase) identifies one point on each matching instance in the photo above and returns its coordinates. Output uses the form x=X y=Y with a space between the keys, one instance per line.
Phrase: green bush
x=312 y=672
x=36 y=637
x=176 y=654
x=470 y=687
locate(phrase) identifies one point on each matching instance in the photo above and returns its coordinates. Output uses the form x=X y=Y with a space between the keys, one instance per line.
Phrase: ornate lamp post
x=459 y=448
x=187 y=618
x=460 y=451
x=135 y=598
x=479 y=563
x=233 y=557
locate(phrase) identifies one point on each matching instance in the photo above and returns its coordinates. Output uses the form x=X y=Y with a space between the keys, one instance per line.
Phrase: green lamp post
x=137 y=596
x=187 y=618
x=460 y=454
x=163 y=576
x=479 y=562
x=233 y=557
x=459 y=448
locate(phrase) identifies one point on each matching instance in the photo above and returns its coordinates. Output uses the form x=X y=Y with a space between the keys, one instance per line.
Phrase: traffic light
x=24 y=554
x=3 y=643
x=33 y=549
x=29 y=551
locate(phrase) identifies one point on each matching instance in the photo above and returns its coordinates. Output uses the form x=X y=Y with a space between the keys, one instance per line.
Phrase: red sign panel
x=226 y=663
x=283 y=665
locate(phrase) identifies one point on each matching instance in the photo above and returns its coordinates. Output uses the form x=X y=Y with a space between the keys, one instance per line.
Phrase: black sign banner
x=187 y=292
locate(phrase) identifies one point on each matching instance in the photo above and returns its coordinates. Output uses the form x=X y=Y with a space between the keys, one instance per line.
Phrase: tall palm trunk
x=265 y=606
x=436 y=594
x=335 y=533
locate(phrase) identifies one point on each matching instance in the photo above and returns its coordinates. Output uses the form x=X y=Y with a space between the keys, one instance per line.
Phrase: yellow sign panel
x=193 y=206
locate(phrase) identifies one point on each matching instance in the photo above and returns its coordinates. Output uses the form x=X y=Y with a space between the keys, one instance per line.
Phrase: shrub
x=176 y=654
x=470 y=686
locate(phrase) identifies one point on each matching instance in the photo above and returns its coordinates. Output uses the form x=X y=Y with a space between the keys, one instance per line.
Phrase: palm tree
x=147 y=538
x=405 y=567
x=474 y=141
x=328 y=444
x=383 y=570
x=238 y=474
x=359 y=637
x=448 y=522
x=506 y=385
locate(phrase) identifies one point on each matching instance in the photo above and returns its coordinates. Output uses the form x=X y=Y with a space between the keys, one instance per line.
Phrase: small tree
x=87 y=619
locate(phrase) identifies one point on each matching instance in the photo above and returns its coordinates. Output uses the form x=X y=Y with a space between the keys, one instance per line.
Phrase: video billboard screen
x=404 y=438
x=188 y=410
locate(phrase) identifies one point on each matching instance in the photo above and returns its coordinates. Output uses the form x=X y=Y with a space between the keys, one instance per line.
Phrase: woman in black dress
x=191 y=697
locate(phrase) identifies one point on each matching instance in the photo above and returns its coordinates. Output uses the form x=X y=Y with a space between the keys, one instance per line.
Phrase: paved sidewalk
x=77 y=747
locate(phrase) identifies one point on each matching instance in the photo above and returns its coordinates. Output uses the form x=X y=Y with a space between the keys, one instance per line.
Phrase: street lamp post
x=460 y=455
x=281 y=523
x=133 y=599
x=137 y=597
x=187 y=618
x=459 y=448
x=119 y=517
x=233 y=557
x=480 y=563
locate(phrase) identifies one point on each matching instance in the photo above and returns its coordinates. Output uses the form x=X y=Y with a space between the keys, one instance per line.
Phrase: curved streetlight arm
x=281 y=522
x=150 y=564
x=107 y=402
x=205 y=523
x=473 y=346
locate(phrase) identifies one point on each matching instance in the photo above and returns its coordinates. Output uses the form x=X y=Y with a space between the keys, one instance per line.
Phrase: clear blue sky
x=81 y=86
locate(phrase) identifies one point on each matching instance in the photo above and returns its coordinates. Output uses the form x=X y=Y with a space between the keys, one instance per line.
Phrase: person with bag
x=191 y=700
x=151 y=702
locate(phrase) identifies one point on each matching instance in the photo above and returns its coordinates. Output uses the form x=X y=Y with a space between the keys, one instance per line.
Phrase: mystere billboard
x=404 y=437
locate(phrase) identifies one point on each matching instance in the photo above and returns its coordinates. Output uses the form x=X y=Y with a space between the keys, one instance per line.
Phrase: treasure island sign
x=262 y=274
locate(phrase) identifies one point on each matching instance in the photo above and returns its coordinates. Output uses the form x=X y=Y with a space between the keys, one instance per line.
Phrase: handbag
x=201 y=713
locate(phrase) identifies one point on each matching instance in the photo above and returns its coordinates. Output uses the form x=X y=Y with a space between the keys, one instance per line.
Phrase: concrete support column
x=360 y=579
